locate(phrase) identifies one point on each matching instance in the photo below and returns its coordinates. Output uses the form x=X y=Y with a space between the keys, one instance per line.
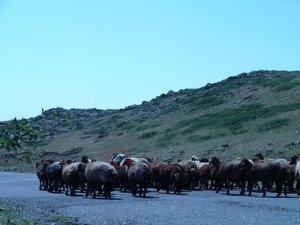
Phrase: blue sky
x=110 y=54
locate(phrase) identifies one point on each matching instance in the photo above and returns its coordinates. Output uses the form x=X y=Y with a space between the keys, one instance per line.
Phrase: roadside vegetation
x=9 y=216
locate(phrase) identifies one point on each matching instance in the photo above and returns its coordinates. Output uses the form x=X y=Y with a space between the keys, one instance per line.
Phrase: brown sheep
x=41 y=173
x=139 y=175
x=204 y=174
x=292 y=178
x=73 y=177
x=235 y=171
x=99 y=174
x=214 y=164
x=258 y=157
x=156 y=167
x=191 y=170
x=122 y=169
x=171 y=177
x=268 y=171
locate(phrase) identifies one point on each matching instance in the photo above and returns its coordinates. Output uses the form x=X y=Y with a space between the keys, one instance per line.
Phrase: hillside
x=239 y=116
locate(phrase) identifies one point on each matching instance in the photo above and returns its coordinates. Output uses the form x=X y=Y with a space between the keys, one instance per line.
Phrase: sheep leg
x=67 y=191
x=102 y=189
x=278 y=188
x=82 y=187
x=291 y=185
x=176 y=189
x=298 y=187
x=140 y=190
x=211 y=184
x=50 y=186
x=73 y=190
x=219 y=185
x=206 y=184
x=133 y=189
x=249 y=187
x=158 y=188
x=257 y=185
x=228 y=186
x=94 y=187
x=264 y=184
x=41 y=184
x=61 y=185
x=46 y=185
x=56 y=185
x=243 y=184
x=145 y=191
x=285 y=189
x=87 y=190
x=107 y=191
x=40 y=187
x=231 y=184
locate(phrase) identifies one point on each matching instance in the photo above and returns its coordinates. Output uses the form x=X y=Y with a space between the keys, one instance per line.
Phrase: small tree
x=19 y=135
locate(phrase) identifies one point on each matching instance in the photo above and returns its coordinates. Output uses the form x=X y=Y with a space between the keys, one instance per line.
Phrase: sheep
x=156 y=167
x=292 y=178
x=72 y=177
x=258 y=157
x=268 y=171
x=204 y=170
x=117 y=159
x=41 y=173
x=227 y=173
x=171 y=177
x=190 y=169
x=282 y=176
x=54 y=175
x=122 y=169
x=194 y=158
x=85 y=159
x=214 y=164
x=244 y=174
x=99 y=174
x=236 y=171
x=297 y=175
x=139 y=175
x=204 y=159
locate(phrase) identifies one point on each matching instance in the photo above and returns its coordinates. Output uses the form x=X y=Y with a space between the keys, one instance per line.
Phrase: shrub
x=273 y=124
x=148 y=135
x=199 y=138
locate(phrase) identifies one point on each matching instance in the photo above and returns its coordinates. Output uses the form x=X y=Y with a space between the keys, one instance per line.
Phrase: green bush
x=273 y=124
x=148 y=135
x=199 y=138
x=8 y=216
x=233 y=118
x=282 y=81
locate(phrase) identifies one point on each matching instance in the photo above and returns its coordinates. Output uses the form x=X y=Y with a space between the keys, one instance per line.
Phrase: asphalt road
x=192 y=207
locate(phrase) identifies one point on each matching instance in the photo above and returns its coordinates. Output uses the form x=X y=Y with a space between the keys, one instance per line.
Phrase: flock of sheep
x=138 y=174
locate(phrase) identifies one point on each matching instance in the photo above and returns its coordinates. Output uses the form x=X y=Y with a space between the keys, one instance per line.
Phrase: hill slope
x=240 y=116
